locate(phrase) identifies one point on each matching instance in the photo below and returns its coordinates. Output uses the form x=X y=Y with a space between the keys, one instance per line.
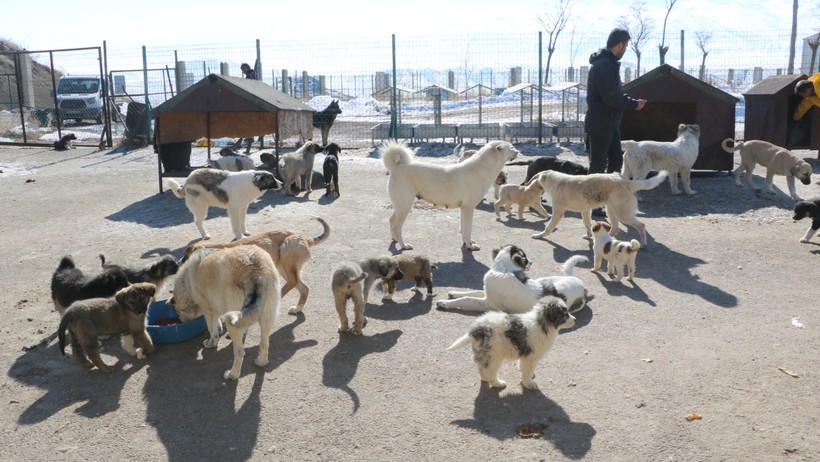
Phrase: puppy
x=156 y=272
x=676 y=157
x=583 y=193
x=330 y=169
x=416 y=267
x=288 y=249
x=231 y=163
x=460 y=185
x=234 y=191
x=88 y=319
x=808 y=209
x=542 y=164
x=508 y=288
x=66 y=142
x=524 y=337
x=463 y=155
x=270 y=162
x=294 y=165
x=616 y=253
x=69 y=284
x=238 y=286
x=353 y=280
x=524 y=196
x=777 y=160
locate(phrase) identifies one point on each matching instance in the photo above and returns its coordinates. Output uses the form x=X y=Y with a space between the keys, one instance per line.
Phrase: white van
x=80 y=97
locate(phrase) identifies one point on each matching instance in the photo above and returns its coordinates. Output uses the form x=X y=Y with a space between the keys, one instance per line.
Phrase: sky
x=49 y=24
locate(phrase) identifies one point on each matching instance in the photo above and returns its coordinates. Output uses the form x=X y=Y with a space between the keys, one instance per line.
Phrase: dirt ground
x=721 y=321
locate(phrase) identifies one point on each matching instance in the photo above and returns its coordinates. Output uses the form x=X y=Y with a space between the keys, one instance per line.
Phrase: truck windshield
x=83 y=86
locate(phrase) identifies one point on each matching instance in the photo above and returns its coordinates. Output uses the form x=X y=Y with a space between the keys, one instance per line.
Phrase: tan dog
x=91 y=318
x=294 y=165
x=524 y=196
x=416 y=267
x=777 y=160
x=352 y=281
x=463 y=155
x=582 y=193
x=238 y=286
x=616 y=253
x=288 y=249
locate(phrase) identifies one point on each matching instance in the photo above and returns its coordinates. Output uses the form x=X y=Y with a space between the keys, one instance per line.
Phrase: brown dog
x=288 y=249
x=417 y=267
x=88 y=319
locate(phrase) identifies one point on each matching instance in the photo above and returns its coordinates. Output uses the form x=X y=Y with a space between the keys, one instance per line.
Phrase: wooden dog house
x=770 y=106
x=675 y=97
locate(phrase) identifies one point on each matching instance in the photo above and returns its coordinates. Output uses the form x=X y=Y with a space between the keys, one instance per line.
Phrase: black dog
x=541 y=164
x=270 y=162
x=808 y=209
x=330 y=169
x=324 y=119
x=155 y=272
x=69 y=284
x=66 y=142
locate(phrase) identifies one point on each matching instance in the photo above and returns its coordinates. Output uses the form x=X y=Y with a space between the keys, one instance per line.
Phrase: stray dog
x=288 y=249
x=808 y=209
x=616 y=253
x=69 y=284
x=323 y=120
x=541 y=164
x=231 y=163
x=524 y=196
x=353 y=280
x=270 y=162
x=66 y=142
x=584 y=193
x=500 y=180
x=238 y=286
x=294 y=165
x=416 y=267
x=508 y=288
x=155 y=272
x=89 y=319
x=330 y=169
x=524 y=337
x=777 y=160
x=676 y=157
x=461 y=185
x=208 y=187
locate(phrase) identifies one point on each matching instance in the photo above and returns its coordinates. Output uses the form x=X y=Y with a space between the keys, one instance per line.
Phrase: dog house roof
x=665 y=70
x=775 y=84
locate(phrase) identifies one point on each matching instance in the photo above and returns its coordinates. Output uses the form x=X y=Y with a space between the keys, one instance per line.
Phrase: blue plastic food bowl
x=174 y=333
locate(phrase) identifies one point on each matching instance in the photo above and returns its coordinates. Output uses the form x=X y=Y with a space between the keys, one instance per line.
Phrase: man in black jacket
x=606 y=102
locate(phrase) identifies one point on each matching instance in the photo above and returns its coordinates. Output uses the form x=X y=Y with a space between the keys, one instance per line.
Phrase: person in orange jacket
x=809 y=89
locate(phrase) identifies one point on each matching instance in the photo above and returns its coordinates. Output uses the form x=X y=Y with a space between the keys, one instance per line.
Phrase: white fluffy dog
x=616 y=253
x=460 y=185
x=524 y=337
x=676 y=157
x=507 y=287
x=208 y=187
x=524 y=196
x=294 y=165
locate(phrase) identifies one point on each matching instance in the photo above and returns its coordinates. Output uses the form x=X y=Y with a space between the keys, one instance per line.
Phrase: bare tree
x=663 y=47
x=554 y=23
x=813 y=44
x=468 y=70
x=793 y=40
x=639 y=28
x=702 y=38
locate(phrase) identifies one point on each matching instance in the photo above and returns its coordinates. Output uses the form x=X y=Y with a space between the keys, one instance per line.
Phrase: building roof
x=665 y=70
x=775 y=84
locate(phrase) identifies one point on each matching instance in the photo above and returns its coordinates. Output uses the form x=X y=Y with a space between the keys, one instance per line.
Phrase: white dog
x=616 y=253
x=460 y=185
x=676 y=157
x=508 y=288
x=233 y=163
x=237 y=285
x=524 y=337
x=208 y=187
x=777 y=160
x=294 y=165
x=524 y=196
x=582 y=193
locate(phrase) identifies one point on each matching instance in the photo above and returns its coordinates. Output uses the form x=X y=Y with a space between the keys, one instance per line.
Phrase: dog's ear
x=383 y=266
x=495 y=253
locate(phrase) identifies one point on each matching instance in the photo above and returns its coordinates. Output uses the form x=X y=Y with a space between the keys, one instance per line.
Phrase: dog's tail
x=569 y=266
x=394 y=154
x=260 y=293
x=458 y=150
x=322 y=237
x=460 y=342
x=634 y=245
x=520 y=162
x=66 y=263
x=176 y=188
x=61 y=331
x=649 y=183
x=725 y=145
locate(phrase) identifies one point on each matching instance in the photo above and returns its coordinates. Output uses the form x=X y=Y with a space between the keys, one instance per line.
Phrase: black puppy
x=69 y=284
x=66 y=142
x=330 y=169
x=808 y=209
x=270 y=162
x=541 y=164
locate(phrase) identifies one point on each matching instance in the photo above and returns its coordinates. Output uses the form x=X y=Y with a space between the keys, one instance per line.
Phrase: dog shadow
x=391 y=310
x=526 y=223
x=466 y=274
x=341 y=362
x=498 y=417
x=66 y=383
x=624 y=288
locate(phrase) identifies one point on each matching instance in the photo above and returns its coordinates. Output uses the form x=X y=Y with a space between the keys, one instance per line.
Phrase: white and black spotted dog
x=65 y=142
x=508 y=288
x=808 y=209
x=524 y=337
x=616 y=253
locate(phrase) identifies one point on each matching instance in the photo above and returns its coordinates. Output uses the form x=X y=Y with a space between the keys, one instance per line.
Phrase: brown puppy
x=88 y=319
x=353 y=280
x=416 y=267
x=288 y=249
x=524 y=196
